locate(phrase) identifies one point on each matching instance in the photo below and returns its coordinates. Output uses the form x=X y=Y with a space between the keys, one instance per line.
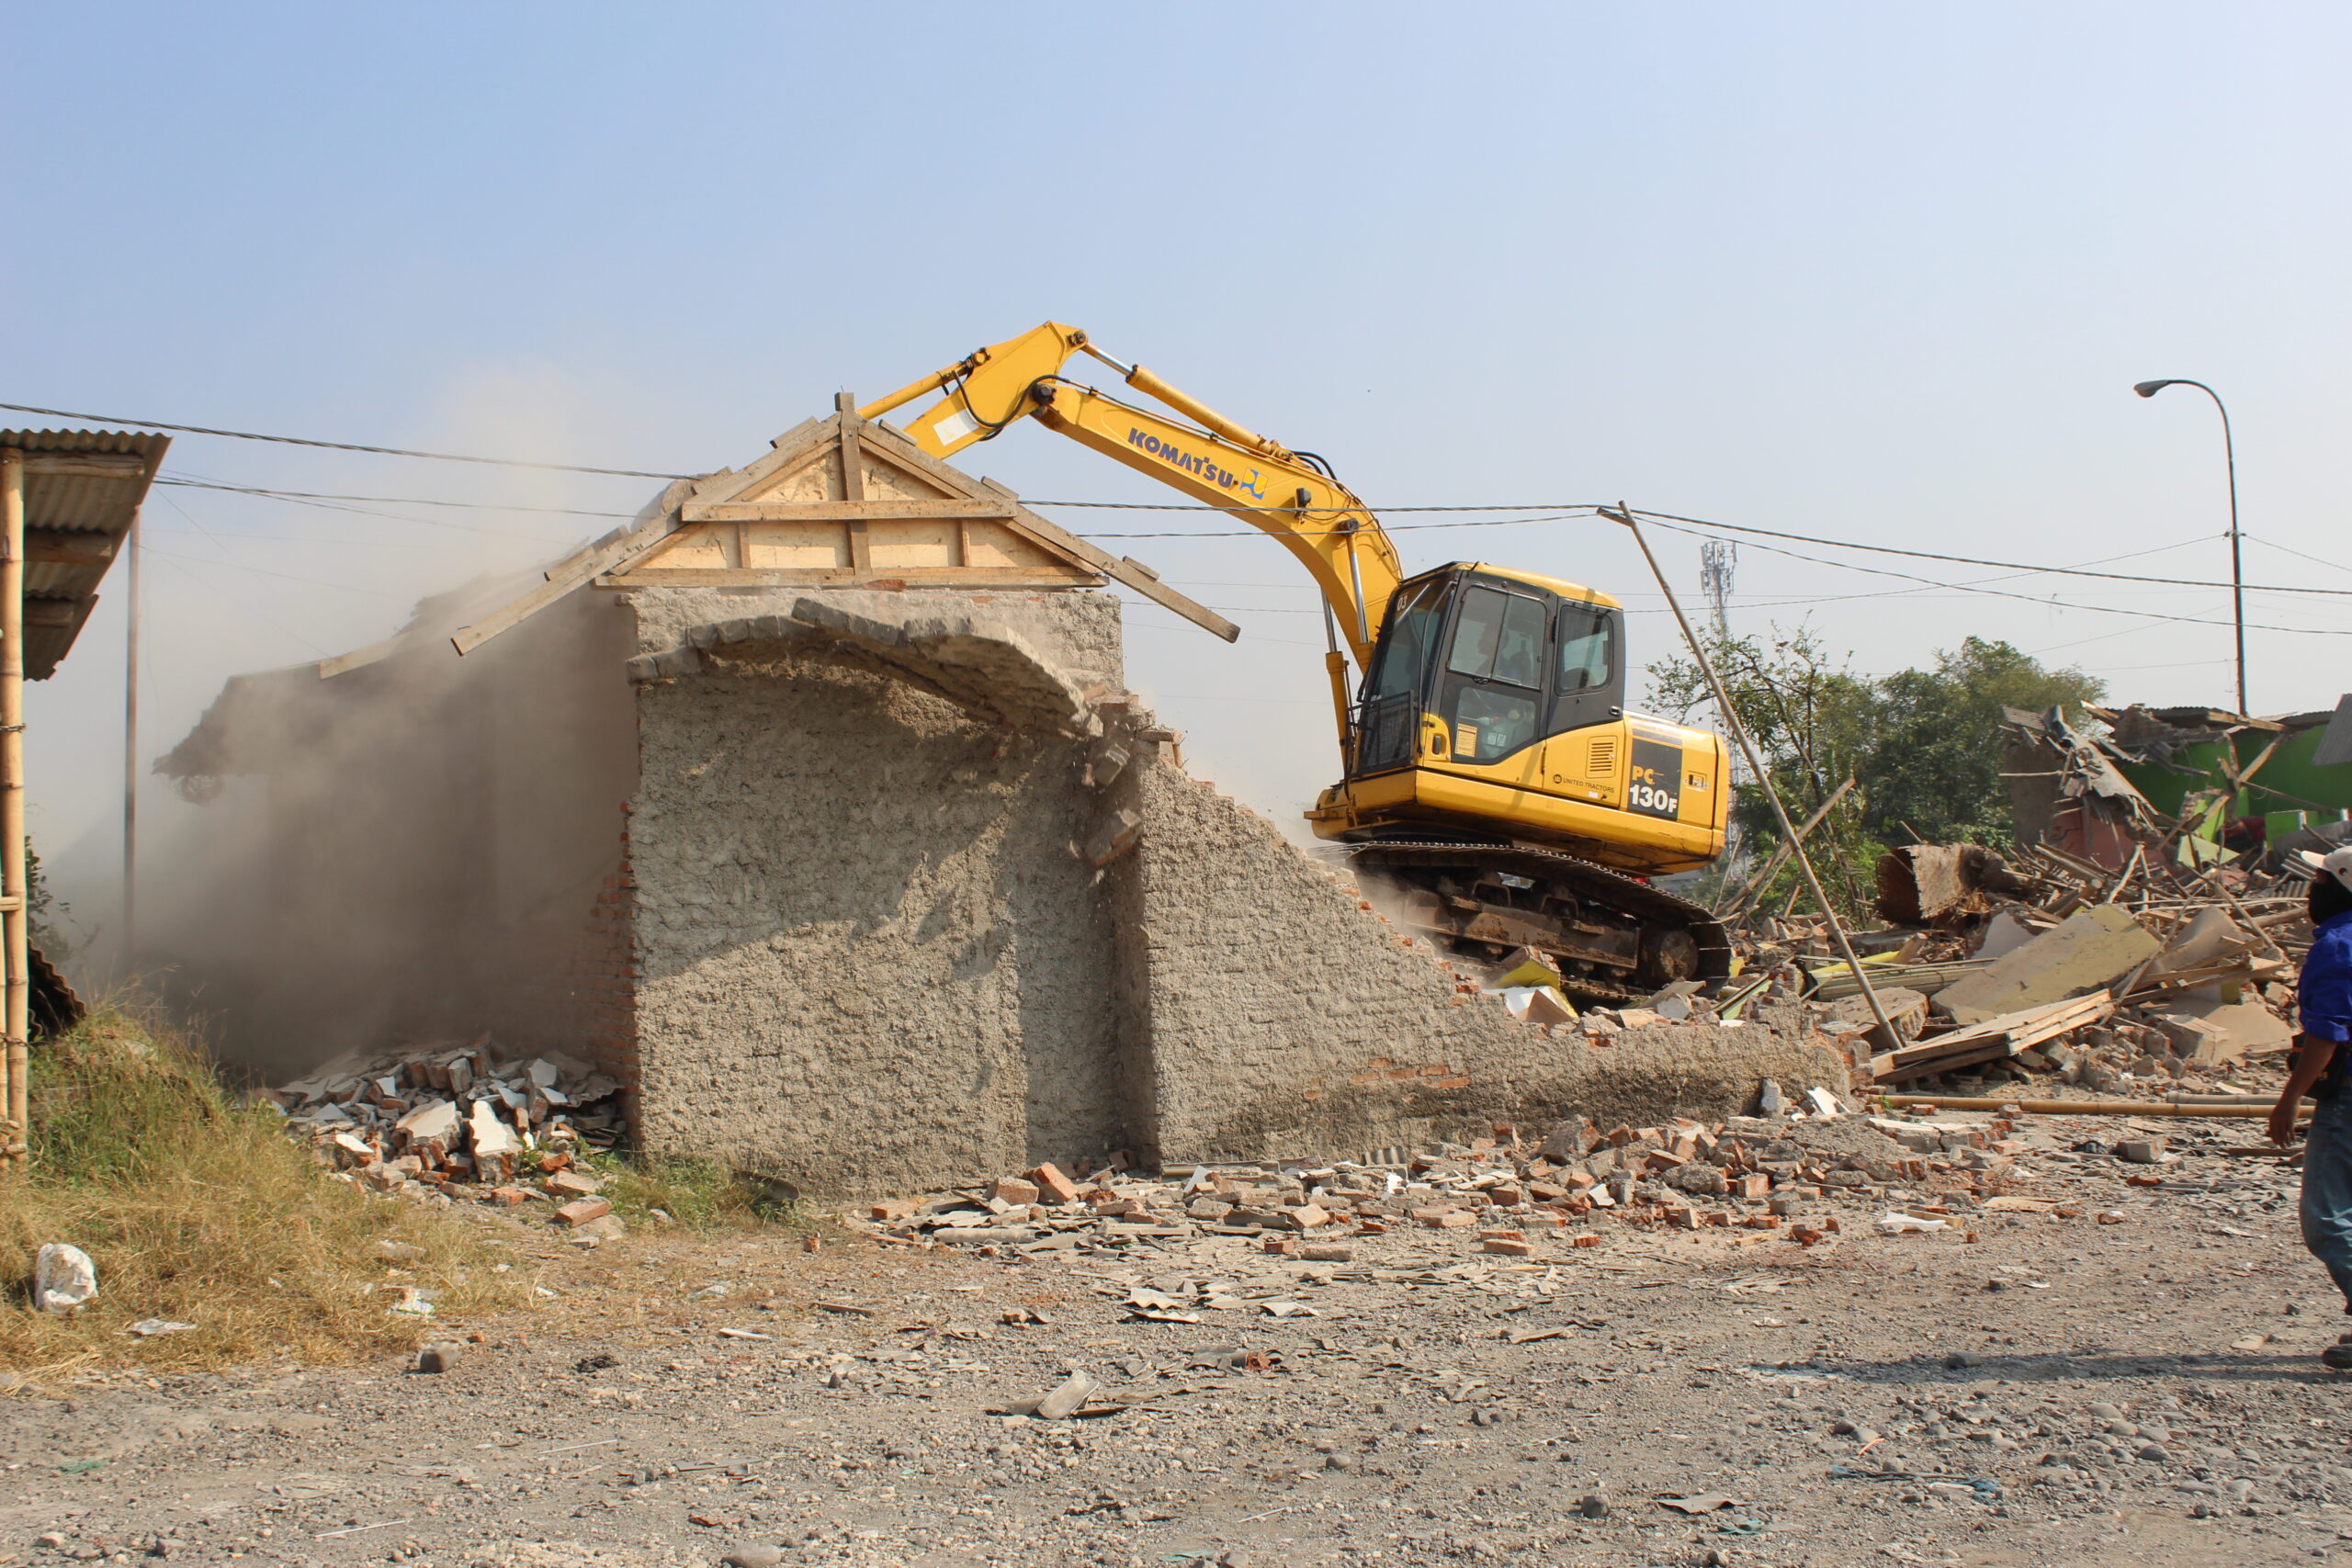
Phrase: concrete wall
x=1283 y=1018
x=868 y=958
x=802 y=867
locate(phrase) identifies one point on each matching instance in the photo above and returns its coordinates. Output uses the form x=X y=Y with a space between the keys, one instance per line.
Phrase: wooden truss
x=840 y=503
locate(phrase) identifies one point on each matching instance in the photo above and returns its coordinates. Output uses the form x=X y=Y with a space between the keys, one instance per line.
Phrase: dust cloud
x=409 y=851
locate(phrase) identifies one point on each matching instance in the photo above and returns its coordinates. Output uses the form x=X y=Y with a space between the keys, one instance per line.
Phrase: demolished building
x=813 y=809
x=2230 y=781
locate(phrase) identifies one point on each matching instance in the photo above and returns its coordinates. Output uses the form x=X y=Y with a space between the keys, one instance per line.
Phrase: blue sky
x=1866 y=271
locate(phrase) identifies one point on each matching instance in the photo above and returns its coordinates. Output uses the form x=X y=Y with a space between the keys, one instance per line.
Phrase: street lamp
x=2237 y=577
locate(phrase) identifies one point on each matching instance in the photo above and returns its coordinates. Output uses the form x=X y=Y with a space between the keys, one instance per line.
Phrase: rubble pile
x=2152 y=977
x=464 y=1122
x=1792 y=1165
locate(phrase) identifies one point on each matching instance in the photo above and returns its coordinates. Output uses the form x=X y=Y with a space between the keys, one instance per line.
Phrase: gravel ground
x=2057 y=1391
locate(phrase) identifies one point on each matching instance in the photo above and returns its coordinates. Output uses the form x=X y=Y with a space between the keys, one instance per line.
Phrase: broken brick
x=1053 y=1185
x=580 y=1211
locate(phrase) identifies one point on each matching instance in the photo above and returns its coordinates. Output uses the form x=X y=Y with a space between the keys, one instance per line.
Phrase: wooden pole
x=1885 y=1036
x=130 y=763
x=14 y=937
x=2072 y=1107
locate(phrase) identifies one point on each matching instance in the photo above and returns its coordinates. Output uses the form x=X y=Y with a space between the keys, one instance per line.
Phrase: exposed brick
x=1052 y=1185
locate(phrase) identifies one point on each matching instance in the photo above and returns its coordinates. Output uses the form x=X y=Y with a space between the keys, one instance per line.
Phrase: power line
x=1557 y=513
x=1978 y=560
x=186 y=483
x=2315 y=560
x=1581 y=509
x=2022 y=598
x=344 y=445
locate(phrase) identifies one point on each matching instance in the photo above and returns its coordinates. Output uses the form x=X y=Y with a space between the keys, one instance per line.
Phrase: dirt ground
x=2057 y=1391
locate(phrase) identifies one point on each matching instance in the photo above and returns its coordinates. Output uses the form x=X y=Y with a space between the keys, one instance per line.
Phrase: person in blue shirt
x=2322 y=1052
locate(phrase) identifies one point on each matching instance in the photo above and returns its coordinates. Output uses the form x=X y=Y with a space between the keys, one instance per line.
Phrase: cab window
x=1414 y=619
x=1584 y=648
x=1495 y=666
x=1498 y=636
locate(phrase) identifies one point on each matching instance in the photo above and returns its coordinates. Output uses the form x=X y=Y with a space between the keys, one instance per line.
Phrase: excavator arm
x=1289 y=495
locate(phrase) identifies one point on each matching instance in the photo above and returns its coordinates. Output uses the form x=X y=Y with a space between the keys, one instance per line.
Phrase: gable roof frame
x=613 y=561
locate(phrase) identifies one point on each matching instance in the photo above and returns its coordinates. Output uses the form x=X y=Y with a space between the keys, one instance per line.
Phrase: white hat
x=2336 y=862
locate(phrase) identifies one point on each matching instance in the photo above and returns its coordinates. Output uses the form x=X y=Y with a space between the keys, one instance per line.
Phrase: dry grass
x=198 y=1211
x=700 y=1195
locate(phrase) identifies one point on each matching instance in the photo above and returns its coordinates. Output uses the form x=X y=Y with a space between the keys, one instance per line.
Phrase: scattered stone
x=1057 y=1405
x=439 y=1356
x=1053 y=1186
x=64 y=1278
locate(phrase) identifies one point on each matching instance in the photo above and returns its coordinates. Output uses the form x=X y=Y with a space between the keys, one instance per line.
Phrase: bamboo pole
x=2074 y=1106
x=14 y=937
x=1886 y=1037
x=130 y=763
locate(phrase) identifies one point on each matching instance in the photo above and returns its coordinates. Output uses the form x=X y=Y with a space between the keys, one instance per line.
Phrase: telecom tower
x=1717 y=557
x=1716 y=560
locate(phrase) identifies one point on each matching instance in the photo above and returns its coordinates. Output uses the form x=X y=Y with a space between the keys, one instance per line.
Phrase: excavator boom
x=1492 y=773
x=1211 y=458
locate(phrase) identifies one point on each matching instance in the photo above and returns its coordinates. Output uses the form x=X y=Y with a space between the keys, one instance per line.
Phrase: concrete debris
x=1496 y=1198
x=64 y=1278
x=2157 y=977
x=448 y=1124
x=1927 y=884
x=2087 y=950
x=439 y=1356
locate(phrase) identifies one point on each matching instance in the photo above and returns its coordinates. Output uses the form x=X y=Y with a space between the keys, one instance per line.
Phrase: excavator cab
x=1474 y=665
x=1493 y=707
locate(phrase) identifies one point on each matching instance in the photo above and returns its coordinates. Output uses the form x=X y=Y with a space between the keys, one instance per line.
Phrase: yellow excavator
x=1490 y=769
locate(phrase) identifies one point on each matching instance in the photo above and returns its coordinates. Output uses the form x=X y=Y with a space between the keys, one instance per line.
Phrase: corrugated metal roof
x=75 y=517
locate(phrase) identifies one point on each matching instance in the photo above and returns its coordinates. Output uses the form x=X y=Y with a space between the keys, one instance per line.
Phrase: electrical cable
x=1560 y=512
x=344 y=445
x=185 y=482
x=2315 y=560
x=2022 y=598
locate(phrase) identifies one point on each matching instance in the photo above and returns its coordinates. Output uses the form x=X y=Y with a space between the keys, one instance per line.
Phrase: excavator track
x=1622 y=939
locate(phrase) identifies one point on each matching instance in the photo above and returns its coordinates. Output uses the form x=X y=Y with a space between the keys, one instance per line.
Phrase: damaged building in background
x=812 y=810
x=2208 y=783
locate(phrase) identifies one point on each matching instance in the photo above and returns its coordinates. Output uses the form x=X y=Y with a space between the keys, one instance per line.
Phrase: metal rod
x=1887 y=1038
x=130 y=760
x=1334 y=664
x=1355 y=581
x=15 y=939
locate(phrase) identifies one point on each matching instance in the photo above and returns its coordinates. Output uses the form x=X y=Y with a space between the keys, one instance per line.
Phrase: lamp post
x=2238 y=577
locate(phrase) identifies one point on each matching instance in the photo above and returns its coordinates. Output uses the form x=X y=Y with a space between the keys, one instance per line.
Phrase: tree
x=1934 y=766
x=1810 y=718
x=1924 y=746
